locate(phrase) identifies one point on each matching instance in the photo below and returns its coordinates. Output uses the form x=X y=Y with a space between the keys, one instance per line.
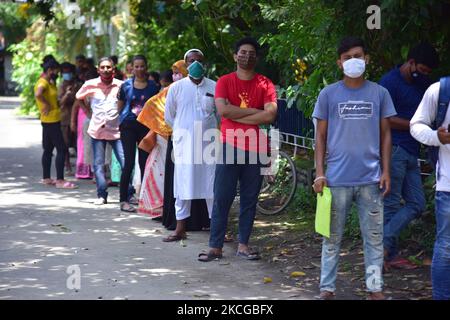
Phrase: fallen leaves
x=61 y=227
x=296 y=274
x=267 y=280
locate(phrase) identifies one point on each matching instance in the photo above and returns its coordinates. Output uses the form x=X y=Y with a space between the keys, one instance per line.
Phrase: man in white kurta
x=190 y=111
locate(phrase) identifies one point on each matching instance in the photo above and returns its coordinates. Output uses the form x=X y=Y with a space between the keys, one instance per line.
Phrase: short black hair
x=247 y=40
x=80 y=57
x=155 y=76
x=350 y=42
x=139 y=57
x=50 y=64
x=167 y=76
x=90 y=61
x=424 y=53
x=115 y=59
x=68 y=65
x=47 y=58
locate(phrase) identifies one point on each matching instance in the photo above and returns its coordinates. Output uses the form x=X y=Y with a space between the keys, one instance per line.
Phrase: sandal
x=400 y=263
x=210 y=256
x=174 y=237
x=248 y=255
x=126 y=207
x=228 y=238
x=48 y=182
x=133 y=200
x=377 y=296
x=66 y=185
x=326 y=295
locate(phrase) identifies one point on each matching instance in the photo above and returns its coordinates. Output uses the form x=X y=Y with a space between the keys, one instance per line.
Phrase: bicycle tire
x=291 y=194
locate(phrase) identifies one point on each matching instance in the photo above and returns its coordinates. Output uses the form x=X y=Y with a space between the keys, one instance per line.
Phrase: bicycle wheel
x=277 y=190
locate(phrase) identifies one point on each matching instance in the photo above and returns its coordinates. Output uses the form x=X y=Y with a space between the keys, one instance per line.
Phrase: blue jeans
x=98 y=147
x=225 y=182
x=406 y=184
x=369 y=202
x=440 y=267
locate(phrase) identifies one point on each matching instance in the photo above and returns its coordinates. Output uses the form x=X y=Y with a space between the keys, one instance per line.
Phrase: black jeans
x=52 y=138
x=131 y=133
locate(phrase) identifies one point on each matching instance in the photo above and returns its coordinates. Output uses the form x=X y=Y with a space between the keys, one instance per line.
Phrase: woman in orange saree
x=151 y=199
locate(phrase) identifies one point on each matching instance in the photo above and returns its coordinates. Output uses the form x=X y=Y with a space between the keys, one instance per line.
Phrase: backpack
x=444 y=100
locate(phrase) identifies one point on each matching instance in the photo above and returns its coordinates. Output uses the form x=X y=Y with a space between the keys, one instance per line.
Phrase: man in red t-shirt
x=244 y=100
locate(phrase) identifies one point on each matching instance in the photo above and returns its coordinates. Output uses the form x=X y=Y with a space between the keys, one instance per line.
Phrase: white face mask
x=354 y=67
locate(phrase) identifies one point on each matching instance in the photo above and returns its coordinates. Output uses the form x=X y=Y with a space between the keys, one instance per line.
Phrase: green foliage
x=14 y=24
x=292 y=31
x=304 y=203
x=27 y=60
x=352 y=229
x=313 y=29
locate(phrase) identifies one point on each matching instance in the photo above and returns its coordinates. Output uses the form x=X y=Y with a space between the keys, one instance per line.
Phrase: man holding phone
x=406 y=84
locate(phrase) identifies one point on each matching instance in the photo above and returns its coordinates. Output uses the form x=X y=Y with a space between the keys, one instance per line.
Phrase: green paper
x=323 y=213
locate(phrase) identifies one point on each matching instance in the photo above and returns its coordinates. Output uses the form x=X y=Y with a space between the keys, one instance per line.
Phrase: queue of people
x=196 y=140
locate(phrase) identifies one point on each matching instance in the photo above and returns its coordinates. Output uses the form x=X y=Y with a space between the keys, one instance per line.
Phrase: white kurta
x=190 y=111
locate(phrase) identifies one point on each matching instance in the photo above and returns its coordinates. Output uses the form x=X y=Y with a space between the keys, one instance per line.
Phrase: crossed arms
x=247 y=115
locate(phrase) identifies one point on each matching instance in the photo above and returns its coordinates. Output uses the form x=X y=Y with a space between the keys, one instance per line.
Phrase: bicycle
x=278 y=190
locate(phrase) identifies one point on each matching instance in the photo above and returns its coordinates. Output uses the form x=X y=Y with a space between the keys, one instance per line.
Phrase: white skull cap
x=192 y=50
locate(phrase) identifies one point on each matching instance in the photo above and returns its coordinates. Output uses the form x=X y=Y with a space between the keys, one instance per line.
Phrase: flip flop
x=248 y=255
x=66 y=185
x=401 y=263
x=130 y=208
x=173 y=238
x=210 y=256
x=49 y=182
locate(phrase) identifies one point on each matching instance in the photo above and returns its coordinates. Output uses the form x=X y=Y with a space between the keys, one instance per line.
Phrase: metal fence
x=292 y=121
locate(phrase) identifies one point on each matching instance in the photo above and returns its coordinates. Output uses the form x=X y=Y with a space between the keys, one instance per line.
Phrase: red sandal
x=401 y=264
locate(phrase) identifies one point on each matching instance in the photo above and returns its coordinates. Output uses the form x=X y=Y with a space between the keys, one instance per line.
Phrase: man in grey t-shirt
x=352 y=125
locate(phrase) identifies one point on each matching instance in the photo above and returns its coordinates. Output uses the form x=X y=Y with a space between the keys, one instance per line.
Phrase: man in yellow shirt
x=46 y=95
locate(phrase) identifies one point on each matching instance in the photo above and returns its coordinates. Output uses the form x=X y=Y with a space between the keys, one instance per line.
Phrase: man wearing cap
x=190 y=111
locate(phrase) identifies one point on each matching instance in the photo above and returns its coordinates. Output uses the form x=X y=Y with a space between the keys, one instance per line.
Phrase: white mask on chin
x=354 y=67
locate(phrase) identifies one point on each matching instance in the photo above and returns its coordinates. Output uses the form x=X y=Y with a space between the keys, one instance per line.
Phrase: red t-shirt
x=253 y=93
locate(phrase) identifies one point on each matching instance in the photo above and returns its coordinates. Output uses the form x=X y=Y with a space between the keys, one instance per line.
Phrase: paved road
x=45 y=231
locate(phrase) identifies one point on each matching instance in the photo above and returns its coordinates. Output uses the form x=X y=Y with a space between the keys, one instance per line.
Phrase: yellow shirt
x=50 y=94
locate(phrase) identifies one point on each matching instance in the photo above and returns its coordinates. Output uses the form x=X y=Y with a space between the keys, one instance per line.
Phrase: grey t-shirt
x=353 y=139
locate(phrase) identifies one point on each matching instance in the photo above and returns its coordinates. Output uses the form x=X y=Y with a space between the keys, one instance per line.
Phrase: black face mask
x=246 y=62
x=420 y=79
x=54 y=76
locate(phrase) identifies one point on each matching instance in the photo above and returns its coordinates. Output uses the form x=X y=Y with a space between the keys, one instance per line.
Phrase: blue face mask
x=196 y=70
x=67 y=76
